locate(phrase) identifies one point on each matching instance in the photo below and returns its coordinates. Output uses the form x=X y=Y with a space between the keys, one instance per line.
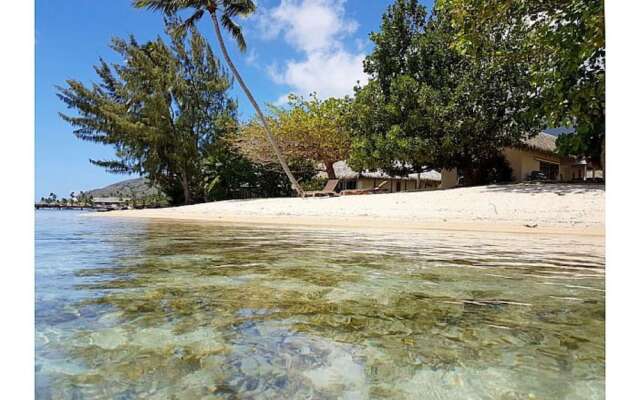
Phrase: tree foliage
x=564 y=47
x=84 y=199
x=163 y=108
x=308 y=129
x=229 y=174
x=223 y=12
x=428 y=105
x=229 y=10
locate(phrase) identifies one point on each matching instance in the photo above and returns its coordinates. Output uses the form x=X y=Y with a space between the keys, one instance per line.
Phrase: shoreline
x=525 y=208
x=361 y=223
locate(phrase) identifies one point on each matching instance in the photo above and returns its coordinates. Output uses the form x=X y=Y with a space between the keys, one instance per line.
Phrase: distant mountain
x=137 y=187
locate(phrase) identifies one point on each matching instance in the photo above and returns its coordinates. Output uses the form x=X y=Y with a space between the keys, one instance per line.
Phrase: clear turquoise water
x=134 y=309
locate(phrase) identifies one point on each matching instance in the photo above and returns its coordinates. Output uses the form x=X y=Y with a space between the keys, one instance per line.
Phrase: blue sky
x=293 y=46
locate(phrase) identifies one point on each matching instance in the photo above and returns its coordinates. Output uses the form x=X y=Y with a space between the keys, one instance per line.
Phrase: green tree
x=309 y=129
x=565 y=50
x=230 y=175
x=163 y=109
x=402 y=25
x=390 y=127
x=430 y=106
x=228 y=9
x=81 y=198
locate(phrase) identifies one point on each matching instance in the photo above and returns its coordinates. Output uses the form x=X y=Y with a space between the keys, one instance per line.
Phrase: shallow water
x=133 y=309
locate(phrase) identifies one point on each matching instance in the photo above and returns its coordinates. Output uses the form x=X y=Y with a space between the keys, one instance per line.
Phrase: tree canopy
x=564 y=48
x=163 y=108
x=228 y=9
x=223 y=12
x=228 y=174
x=308 y=129
x=428 y=105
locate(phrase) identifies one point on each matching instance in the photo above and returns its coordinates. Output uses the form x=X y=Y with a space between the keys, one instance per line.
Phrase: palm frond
x=239 y=7
x=168 y=6
x=230 y=9
x=191 y=21
x=180 y=27
x=235 y=31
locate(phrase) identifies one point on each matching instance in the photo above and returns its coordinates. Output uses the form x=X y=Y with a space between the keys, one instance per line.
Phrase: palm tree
x=228 y=9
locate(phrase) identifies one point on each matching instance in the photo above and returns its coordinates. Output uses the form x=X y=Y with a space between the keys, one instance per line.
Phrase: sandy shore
x=517 y=208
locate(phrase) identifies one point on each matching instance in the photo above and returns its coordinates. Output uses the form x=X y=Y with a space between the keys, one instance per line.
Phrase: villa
x=352 y=180
x=537 y=154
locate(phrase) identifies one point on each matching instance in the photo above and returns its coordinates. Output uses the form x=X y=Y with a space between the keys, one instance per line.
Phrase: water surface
x=154 y=310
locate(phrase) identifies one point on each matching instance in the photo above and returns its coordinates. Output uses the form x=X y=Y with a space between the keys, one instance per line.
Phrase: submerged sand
x=519 y=208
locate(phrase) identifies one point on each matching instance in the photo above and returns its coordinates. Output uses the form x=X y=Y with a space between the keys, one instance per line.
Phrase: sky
x=294 y=46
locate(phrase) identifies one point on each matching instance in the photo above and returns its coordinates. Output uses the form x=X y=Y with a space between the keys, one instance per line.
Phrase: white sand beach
x=518 y=208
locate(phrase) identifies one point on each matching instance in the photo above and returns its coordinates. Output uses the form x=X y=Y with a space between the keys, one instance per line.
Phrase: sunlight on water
x=133 y=309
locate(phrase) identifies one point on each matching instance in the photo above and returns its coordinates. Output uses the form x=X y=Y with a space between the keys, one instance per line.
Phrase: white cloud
x=282 y=100
x=329 y=75
x=315 y=28
x=251 y=58
x=311 y=25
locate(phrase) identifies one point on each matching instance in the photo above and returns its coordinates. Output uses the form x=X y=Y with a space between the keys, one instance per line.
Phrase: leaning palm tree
x=228 y=9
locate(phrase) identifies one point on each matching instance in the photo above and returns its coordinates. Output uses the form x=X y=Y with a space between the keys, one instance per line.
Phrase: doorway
x=550 y=170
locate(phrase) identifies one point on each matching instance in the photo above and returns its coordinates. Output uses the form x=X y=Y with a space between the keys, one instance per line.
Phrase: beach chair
x=377 y=189
x=328 y=190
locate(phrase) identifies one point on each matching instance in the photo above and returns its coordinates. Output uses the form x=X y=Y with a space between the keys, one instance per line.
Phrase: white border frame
x=17 y=35
x=623 y=197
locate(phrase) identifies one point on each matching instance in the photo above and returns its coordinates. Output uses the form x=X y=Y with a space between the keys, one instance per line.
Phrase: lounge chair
x=377 y=189
x=328 y=190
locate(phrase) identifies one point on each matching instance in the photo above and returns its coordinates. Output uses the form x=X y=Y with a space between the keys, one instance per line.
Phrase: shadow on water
x=200 y=311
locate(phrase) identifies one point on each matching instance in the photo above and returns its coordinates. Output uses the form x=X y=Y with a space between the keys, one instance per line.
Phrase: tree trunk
x=602 y=155
x=253 y=102
x=185 y=189
x=328 y=166
x=469 y=179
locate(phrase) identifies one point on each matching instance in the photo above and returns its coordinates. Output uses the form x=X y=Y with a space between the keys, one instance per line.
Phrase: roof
x=431 y=175
x=343 y=171
x=542 y=142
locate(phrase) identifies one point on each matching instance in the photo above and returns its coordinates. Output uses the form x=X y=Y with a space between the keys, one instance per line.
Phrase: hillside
x=136 y=187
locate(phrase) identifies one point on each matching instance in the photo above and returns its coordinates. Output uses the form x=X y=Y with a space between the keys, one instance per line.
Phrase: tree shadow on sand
x=560 y=189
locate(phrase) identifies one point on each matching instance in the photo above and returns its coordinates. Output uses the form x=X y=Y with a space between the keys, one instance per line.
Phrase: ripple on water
x=158 y=310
